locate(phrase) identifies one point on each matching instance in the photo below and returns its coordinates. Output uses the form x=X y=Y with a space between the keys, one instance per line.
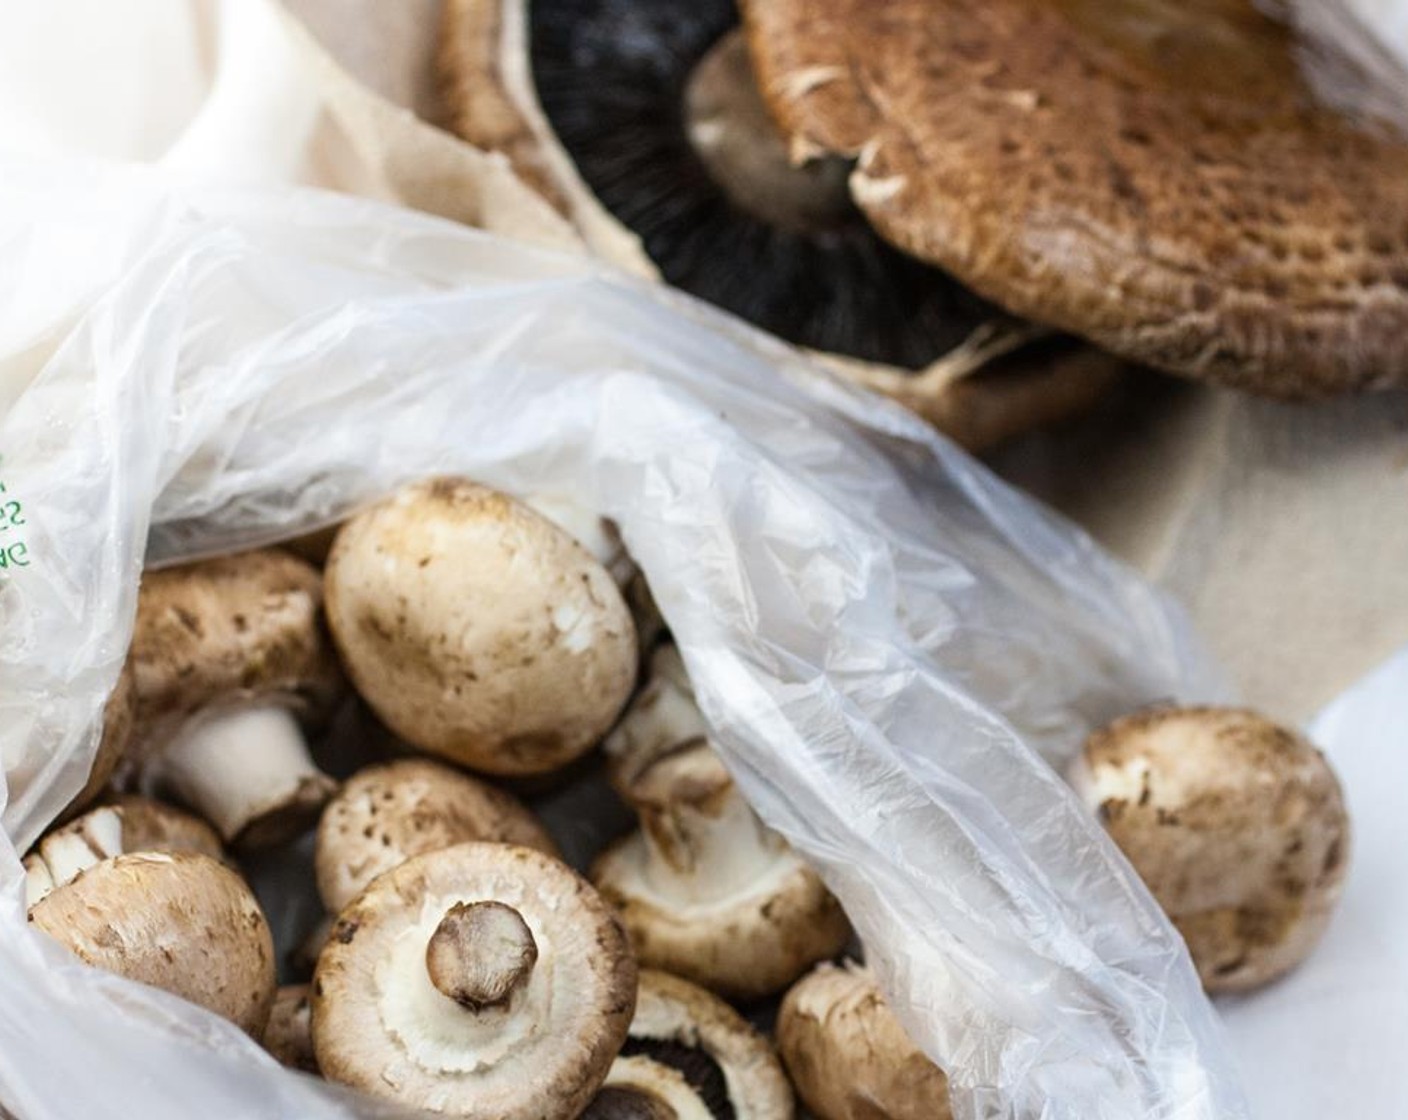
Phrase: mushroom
x=690 y=1055
x=481 y=980
x=514 y=663
x=1237 y=826
x=596 y=534
x=119 y=720
x=848 y=1056
x=288 y=1035
x=1159 y=178
x=662 y=715
x=706 y=891
x=712 y=198
x=229 y=654
x=179 y=921
x=130 y=824
x=386 y=814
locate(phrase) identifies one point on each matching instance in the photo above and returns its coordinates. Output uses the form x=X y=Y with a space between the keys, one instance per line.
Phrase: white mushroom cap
x=481 y=980
x=178 y=921
x=848 y=1056
x=386 y=814
x=1237 y=826
x=478 y=630
x=707 y=892
x=227 y=653
x=288 y=1036
x=698 y=1056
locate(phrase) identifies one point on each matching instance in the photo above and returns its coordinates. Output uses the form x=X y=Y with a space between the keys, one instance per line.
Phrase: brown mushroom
x=691 y=1055
x=230 y=655
x=386 y=814
x=179 y=921
x=288 y=1036
x=848 y=1056
x=515 y=663
x=1157 y=177
x=711 y=197
x=706 y=891
x=129 y=824
x=481 y=980
x=1237 y=826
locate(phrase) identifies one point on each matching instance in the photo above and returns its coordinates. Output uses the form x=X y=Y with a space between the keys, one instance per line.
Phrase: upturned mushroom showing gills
x=1158 y=177
x=179 y=921
x=230 y=654
x=849 y=1057
x=478 y=630
x=691 y=1056
x=707 y=891
x=644 y=125
x=386 y=814
x=483 y=980
x=1237 y=826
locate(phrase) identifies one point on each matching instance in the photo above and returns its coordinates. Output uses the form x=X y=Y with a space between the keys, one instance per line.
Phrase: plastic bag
x=885 y=638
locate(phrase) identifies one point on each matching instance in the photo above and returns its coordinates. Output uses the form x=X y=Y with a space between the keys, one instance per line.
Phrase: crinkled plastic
x=890 y=644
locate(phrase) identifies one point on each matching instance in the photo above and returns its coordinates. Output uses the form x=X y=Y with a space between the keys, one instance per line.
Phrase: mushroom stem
x=247 y=770
x=481 y=955
x=63 y=855
x=702 y=838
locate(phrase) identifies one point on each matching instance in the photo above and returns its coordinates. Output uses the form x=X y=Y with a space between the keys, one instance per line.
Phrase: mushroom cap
x=234 y=627
x=379 y=1024
x=179 y=921
x=1238 y=827
x=288 y=1035
x=515 y=663
x=684 y=1027
x=485 y=48
x=847 y=1054
x=1156 y=177
x=388 y=813
x=119 y=722
x=736 y=911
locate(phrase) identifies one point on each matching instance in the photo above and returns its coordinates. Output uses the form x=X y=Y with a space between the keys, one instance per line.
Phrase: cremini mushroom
x=712 y=198
x=848 y=1056
x=388 y=813
x=1157 y=177
x=478 y=630
x=288 y=1035
x=482 y=980
x=179 y=921
x=690 y=1055
x=1237 y=826
x=230 y=654
x=129 y=824
x=706 y=891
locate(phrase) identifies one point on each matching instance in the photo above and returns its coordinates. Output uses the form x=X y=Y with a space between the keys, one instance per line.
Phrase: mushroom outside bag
x=890 y=644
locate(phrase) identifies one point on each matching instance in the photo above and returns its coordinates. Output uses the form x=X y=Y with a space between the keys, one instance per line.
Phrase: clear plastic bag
x=887 y=640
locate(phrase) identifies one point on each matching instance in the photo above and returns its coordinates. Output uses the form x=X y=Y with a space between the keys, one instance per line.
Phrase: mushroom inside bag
x=894 y=651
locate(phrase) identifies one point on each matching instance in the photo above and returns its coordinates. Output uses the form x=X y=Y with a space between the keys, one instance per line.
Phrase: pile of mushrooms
x=465 y=968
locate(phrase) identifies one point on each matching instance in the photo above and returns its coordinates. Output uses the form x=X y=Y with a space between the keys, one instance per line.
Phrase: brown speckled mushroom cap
x=288 y=1036
x=1157 y=177
x=480 y=980
x=707 y=892
x=849 y=1057
x=386 y=814
x=694 y=1052
x=478 y=630
x=179 y=921
x=1237 y=825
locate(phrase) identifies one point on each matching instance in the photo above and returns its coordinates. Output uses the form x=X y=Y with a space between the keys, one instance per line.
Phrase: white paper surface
x=1330 y=1042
